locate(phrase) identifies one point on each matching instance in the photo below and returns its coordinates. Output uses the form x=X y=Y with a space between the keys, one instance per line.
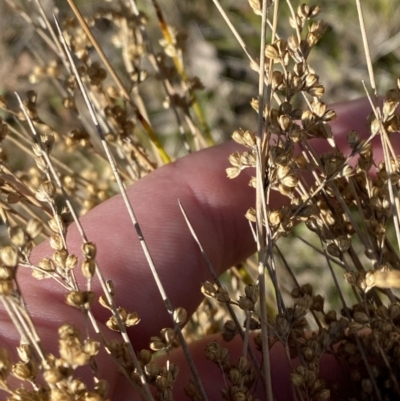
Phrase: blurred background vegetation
x=213 y=54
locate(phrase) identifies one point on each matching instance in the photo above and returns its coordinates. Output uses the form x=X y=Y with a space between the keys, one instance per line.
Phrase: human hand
x=216 y=208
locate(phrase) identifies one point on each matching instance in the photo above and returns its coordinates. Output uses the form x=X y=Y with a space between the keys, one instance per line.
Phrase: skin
x=215 y=206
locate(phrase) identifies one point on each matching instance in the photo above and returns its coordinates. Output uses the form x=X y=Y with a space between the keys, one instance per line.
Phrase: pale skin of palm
x=216 y=208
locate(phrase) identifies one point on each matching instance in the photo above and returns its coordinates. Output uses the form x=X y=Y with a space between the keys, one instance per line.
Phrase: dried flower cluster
x=51 y=176
x=351 y=199
x=99 y=137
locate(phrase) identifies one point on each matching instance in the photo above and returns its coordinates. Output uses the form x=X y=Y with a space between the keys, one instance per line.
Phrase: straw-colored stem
x=219 y=285
x=147 y=127
x=133 y=218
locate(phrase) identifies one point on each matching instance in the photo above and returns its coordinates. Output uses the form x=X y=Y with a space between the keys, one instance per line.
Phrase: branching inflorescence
x=99 y=134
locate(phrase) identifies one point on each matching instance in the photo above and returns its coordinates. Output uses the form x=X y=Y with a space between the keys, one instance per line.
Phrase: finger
x=353 y=116
x=200 y=182
x=216 y=207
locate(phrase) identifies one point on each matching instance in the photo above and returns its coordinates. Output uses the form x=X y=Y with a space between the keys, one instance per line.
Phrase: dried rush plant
x=94 y=134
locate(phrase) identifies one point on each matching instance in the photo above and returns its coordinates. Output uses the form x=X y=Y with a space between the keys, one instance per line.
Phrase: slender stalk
x=177 y=59
x=111 y=70
x=219 y=285
x=366 y=47
x=235 y=32
x=133 y=219
x=168 y=88
x=260 y=201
